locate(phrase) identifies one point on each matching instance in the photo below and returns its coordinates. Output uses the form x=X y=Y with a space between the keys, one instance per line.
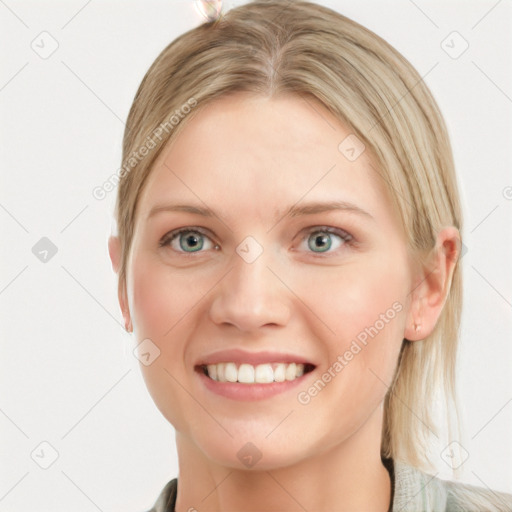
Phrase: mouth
x=249 y=374
x=240 y=375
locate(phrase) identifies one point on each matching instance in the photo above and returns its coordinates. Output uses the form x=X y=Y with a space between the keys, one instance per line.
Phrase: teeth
x=221 y=376
x=246 y=373
x=212 y=371
x=290 y=371
x=260 y=374
x=231 y=372
x=280 y=373
x=264 y=374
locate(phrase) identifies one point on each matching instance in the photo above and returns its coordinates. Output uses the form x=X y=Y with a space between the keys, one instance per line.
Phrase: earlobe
x=127 y=320
x=415 y=329
x=114 y=249
x=123 y=304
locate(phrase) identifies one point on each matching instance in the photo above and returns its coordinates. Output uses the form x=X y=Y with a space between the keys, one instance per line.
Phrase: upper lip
x=239 y=356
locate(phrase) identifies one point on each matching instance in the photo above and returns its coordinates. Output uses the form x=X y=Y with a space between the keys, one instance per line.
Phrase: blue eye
x=186 y=240
x=323 y=239
x=319 y=240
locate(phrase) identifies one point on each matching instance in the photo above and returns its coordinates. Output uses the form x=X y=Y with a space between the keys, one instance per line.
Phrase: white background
x=67 y=374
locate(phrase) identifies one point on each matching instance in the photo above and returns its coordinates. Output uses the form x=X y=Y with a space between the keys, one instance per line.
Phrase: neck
x=345 y=477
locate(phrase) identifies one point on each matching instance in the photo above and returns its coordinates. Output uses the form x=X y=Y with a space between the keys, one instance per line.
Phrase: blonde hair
x=272 y=47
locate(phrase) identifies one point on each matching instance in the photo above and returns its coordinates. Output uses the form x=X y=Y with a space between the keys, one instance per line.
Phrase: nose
x=250 y=296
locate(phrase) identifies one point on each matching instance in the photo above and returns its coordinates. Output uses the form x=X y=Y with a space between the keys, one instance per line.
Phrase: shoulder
x=413 y=490
x=464 y=497
x=417 y=490
x=167 y=498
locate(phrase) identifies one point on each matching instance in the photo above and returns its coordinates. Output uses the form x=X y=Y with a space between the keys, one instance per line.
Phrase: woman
x=289 y=235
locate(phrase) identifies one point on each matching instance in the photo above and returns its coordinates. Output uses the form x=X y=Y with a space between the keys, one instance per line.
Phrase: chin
x=252 y=450
x=245 y=455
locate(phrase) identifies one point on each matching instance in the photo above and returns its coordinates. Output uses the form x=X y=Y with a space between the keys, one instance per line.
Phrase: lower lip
x=250 y=392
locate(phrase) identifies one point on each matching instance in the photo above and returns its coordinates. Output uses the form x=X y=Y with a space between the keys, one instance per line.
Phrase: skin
x=249 y=158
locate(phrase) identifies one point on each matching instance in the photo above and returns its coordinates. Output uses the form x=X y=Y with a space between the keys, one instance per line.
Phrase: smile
x=239 y=374
x=246 y=373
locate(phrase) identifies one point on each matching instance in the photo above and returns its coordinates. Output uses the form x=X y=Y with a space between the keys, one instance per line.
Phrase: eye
x=323 y=239
x=187 y=240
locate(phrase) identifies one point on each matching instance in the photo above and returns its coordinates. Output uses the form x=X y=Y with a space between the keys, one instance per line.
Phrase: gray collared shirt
x=413 y=491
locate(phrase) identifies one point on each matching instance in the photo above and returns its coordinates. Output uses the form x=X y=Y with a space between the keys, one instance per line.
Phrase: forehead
x=252 y=154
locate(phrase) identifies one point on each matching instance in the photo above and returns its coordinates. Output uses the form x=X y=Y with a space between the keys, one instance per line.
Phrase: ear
x=433 y=285
x=114 y=250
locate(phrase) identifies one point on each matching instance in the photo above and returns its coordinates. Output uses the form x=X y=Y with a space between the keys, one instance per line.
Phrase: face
x=259 y=244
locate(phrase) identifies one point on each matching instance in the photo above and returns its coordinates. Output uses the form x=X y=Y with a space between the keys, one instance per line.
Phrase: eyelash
x=346 y=238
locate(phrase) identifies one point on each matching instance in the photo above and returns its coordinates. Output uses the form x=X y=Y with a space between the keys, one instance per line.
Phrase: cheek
x=153 y=300
x=364 y=311
x=362 y=306
x=161 y=296
x=166 y=305
x=160 y=304
x=351 y=298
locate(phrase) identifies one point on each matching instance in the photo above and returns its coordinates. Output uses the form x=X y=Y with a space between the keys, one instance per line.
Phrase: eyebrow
x=293 y=211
